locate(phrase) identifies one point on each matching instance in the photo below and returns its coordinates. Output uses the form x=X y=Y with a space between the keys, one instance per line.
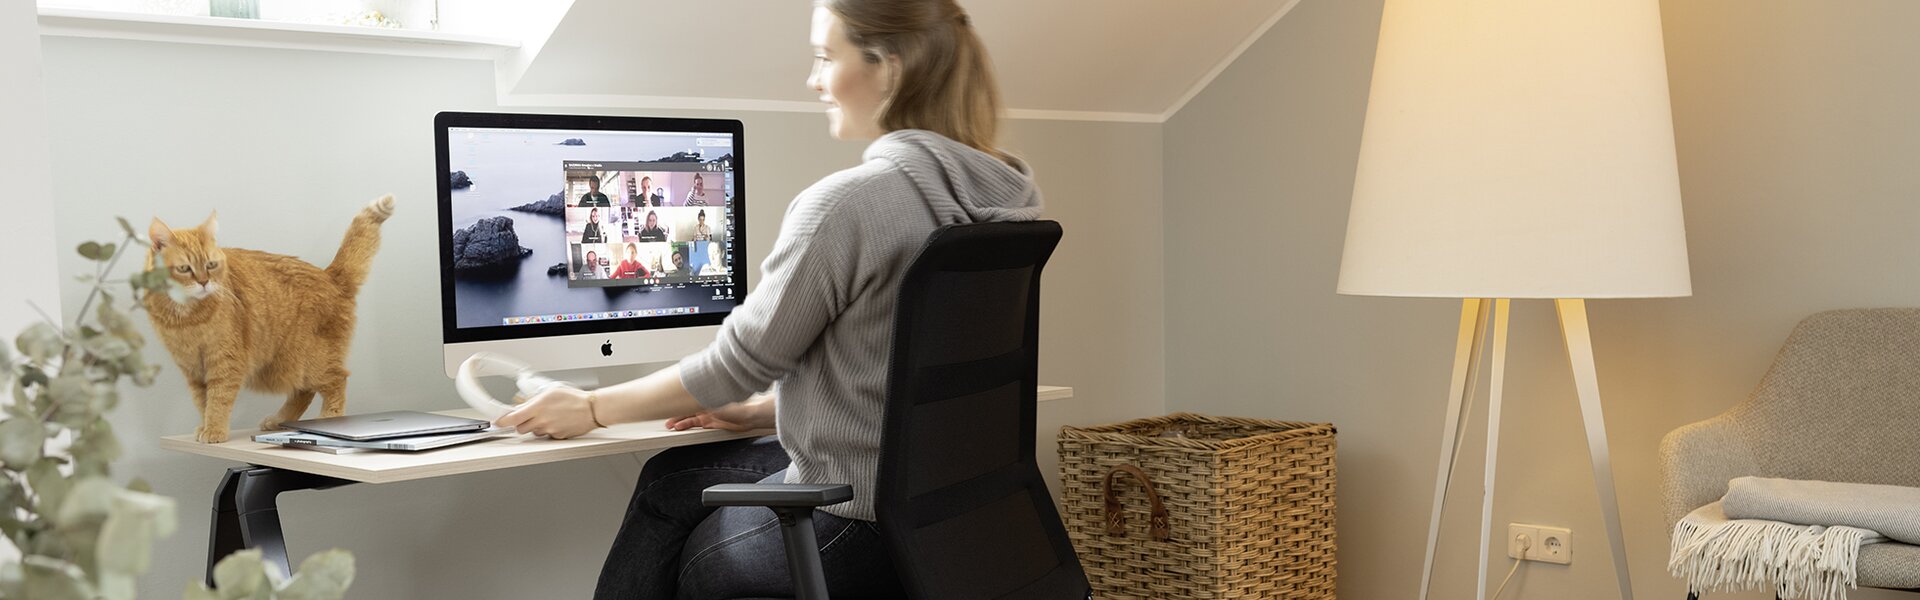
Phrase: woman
x=701 y=231
x=630 y=267
x=912 y=74
x=696 y=195
x=592 y=235
x=652 y=232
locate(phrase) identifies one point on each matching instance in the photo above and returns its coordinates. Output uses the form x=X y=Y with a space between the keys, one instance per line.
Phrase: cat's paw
x=209 y=436
x=271 y=424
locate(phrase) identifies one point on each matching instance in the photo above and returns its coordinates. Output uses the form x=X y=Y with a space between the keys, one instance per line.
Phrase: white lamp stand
x=1474 y=317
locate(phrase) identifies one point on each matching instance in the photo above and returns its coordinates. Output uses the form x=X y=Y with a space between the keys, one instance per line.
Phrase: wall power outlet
x=1541 y=543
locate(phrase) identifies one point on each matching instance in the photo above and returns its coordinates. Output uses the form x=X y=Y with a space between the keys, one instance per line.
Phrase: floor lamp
x=1518 y=149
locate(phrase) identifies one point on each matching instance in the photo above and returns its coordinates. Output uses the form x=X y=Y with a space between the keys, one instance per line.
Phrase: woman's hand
x=560 y=412
x=752 y=414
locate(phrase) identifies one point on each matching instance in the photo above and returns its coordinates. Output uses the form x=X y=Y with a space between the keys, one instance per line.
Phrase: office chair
x=960 y=500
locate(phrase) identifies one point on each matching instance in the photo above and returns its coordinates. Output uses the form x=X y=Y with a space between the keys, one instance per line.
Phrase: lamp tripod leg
x=1493 y=435
x=1466 y=370
x=1573 y=326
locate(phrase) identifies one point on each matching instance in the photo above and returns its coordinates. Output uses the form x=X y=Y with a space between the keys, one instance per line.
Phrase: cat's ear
x=159 y=234
x=212 y=226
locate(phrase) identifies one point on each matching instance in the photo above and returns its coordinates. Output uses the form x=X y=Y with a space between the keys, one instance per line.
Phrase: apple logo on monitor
x=606 y=348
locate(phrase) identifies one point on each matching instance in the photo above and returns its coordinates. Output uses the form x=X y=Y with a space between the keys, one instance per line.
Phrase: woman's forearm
x=660 y=395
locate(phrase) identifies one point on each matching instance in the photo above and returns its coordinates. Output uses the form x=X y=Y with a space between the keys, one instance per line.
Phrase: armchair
x=1840 y=403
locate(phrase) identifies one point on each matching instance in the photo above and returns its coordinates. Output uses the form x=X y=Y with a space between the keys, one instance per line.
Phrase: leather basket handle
x=1157 y=527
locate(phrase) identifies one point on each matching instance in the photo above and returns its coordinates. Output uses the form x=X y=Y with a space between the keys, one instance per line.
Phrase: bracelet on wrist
x=593 y=410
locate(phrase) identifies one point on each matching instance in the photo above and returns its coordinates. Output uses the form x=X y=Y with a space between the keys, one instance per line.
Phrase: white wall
x=288 y=144
x=1796 y=139
x=27 y=241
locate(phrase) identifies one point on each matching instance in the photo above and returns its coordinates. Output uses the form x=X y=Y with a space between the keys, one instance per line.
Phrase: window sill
x=218 y=31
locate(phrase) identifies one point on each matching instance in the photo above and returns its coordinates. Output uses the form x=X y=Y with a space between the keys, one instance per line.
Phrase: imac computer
x=576 y=242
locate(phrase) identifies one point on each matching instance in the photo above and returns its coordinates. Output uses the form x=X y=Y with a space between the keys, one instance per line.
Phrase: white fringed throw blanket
x=1763 y=532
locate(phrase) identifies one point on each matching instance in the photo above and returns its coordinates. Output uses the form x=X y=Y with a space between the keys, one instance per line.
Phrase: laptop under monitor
x=387 y=424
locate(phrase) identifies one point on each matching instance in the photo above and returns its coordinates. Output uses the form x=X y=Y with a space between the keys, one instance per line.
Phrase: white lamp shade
x=1517 y=149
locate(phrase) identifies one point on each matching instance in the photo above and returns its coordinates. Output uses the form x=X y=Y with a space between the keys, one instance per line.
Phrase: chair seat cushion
x=1889 y=565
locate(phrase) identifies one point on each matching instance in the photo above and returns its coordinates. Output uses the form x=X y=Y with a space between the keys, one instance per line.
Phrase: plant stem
x=99 y=272
x=49 y=319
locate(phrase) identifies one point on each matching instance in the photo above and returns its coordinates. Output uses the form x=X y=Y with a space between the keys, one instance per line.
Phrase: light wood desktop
x=245 y=514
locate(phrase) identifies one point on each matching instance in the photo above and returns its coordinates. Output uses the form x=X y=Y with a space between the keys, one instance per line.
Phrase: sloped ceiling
x=1130 y=60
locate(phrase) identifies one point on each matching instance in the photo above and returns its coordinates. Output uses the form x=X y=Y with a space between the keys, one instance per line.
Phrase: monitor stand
x=599 y=377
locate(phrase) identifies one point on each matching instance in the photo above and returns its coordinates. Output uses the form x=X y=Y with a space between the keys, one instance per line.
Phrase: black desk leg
x=246 y=514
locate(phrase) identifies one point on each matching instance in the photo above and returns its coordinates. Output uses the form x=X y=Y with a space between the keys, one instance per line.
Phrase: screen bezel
x=451 y=333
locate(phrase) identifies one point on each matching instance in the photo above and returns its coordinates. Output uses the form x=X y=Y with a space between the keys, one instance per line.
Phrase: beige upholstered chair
x=1841 y=403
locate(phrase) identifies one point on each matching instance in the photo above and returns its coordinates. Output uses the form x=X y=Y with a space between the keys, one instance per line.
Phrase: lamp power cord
x=1526 y=543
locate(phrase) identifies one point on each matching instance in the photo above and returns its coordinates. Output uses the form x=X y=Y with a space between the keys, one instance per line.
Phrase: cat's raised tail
x=349 y=267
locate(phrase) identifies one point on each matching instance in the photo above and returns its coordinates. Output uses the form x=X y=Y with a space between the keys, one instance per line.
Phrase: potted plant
x=67 y=529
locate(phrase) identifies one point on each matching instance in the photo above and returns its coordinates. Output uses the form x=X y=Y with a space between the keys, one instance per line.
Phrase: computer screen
x=555 y=225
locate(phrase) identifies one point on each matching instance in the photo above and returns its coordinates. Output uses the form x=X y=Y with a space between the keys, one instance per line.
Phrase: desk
x=245 y=505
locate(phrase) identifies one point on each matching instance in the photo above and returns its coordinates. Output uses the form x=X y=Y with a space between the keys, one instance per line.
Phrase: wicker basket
x=1192 y=506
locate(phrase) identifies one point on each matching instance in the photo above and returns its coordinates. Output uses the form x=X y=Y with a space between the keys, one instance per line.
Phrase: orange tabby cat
x=272 y=323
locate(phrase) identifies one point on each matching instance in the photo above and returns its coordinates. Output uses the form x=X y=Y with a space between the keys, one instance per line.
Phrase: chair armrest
x=1697 y=460
x=776 y=495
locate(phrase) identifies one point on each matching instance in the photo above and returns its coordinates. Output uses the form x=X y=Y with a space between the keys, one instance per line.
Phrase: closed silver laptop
x=396 y=423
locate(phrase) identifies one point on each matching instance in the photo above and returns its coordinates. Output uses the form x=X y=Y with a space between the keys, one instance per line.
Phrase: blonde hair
x=945 y=81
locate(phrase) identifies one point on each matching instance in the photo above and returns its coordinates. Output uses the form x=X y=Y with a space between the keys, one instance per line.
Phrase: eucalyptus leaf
x=21 y=407
x=11 y=495
x=100 y=441
x=239 y=574
x=6 y=360
x=10 y=579
x=107 y=347
x=12 y=527
x=91 y=250
x=116 y=322
x=32 y=375
x=40 y=342
x=70 y=389
x=197 y=590
x=47 y=543
x=106 y=252
x=115 y=585
x=48 y=485
x=89 y=500
x=126 y=227
x=135 y=521
x=20 y=442
x=323 y=576
x=48 y=578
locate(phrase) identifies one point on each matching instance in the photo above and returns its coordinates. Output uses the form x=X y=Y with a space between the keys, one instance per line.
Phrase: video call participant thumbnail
x=594 y=197
x=701 y=230
x=590 y=267
x=649 y=195
x=696 y=193
x=630 y=266
x=716 y=261
x=652 y=231
x=592 y=234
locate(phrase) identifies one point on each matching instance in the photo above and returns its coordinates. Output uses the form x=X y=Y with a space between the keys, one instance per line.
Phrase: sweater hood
x=961 y=184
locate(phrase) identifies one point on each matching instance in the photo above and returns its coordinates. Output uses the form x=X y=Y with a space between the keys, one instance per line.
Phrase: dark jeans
x=670 y=546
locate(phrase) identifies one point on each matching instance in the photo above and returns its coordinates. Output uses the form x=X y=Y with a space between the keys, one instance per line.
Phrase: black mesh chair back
x=959 y=495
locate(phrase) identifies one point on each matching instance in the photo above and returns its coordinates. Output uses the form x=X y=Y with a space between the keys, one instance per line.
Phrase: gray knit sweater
x=819 y=327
